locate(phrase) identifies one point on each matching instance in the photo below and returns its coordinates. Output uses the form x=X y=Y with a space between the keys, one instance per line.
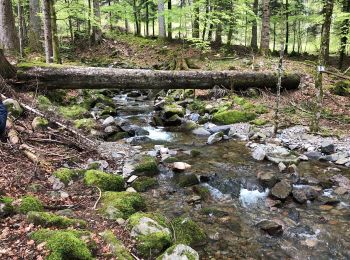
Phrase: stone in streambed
x=271 y=227
x=214 y=138
x=281 y=190
x=299 y=195
x=327 y=147
x=267 y=179
x=201 y=131
x=180 y=252
x=259 y=154
x=180 y=166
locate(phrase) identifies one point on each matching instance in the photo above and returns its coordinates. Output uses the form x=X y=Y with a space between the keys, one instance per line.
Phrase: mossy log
x=88 y=77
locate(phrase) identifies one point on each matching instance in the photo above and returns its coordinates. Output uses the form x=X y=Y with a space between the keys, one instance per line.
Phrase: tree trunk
x=96 y=30
x=161 y=19
x=265 y=29
x=137 y=22
x=207 y=9
x=195 y=29
x=8 y=36
x=55 y=42
x=47 y=31
x=170 y=29
x=218 y=34
x=6 y=69
x=20 y=27
x=147 y=18
x=322 y=60
x=84 y=77
x=287 y=28
x=254 y=40
x=344 y=31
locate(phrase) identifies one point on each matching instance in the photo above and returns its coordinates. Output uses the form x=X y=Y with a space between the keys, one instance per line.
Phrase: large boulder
x=281 y=190
x=171 y=110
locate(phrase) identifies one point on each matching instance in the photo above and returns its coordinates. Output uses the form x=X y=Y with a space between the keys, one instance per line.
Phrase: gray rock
x=186 y=180
x=342 y=161
x=271 y=227
x=180 y=252
x=201 y=131
x=194 y=117
x=279 y=158
x=267 y=179
x=281 y=190
x=222 y=128
x=313 y=155
x=147 y=226
x=111 y=129
x=299 y=195
x=327 y=147
x=259 y=154
x=180 y=166
x=13 y=107
x=214 y=138
x=282 y=167
x=108 y=121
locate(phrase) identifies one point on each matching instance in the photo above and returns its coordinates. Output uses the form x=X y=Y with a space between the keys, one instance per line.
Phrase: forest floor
x=19 y=175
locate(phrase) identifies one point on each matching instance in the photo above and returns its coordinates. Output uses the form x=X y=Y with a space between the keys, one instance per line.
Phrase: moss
x=30 y=203
x=173 y=109
x=43 y=102
x=239 y=100
x=197 y=106
x=147 y=165
x=222 y=108
x=153 y=243
x=63 y=244
x=92 y=98
x=134 y=219
x=116 y=246
x=13 y=107
x=40 y=122
x=195 y=153
x=66 y=175
x=85 y=123
x=259 y=121
x=122 y=204
x=186 y=180
x=144 y=183
x=260 y=109
x=233 y=116
x=202 y=191
x=6 y=207
x=46 y=219
x=342 y=88
x=57 y=95
x=170 y=251
x=105 y=181
x=171 y=160
x=213 y=211
x=73 y=112
x=117 y=136
x=187 y=231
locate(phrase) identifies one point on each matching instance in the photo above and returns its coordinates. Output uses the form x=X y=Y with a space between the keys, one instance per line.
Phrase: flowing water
x=238 y=202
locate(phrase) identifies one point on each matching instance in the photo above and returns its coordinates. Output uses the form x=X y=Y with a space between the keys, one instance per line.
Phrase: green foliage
x=73 y=112
x=122 y=203
x=259 y=121
x=233 y=116
x=187 y=231
x=148 y=165
x=46 y=219
x=144 y=183
x=153 y=243
x=116 y=246
x=342 y=88
x=6 y=207
x=202 y=191
x=103 y=180
x=66 y=175
x=30 y=203
x=63 y=244
x=85 y=123
x=197 y=106
x=43 y=102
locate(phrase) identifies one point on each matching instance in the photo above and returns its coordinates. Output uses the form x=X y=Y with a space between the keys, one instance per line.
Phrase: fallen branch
x=98 y=199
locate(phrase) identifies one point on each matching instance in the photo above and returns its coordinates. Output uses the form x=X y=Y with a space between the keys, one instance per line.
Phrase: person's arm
x=3 y=118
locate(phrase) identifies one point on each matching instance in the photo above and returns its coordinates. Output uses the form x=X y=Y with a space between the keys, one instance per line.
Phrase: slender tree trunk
x=6 y=69
x=20 y=27
x=8 y=36
x=265 y=28
x=161 y=19
x=195 y=30
x=170 y=29
x=274 y=37
x=137 y=22
x=207 y=9
x=126 y=22
x=147 y=19
x=294 y=35
x=55 y=42
x=89 y=22
x=110 y=17
x=153 y=27
x=299 y=37
x=218 y=35
x=322 y=60
x=344 y=31
x=254 y=39
x=96 y=30
x=287 y=28
x=245 y=29
x=47 y=31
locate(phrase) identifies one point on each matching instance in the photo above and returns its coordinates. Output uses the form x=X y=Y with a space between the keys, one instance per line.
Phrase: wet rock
x=134 y=94
x=214 y=138
x=294 y=214
x=341 y=181
x=171 y=110
x=342 y=161
x=341 y=191
x=259 y=154
x=299 y=195
x=328 y=201
x=281 y=190
x=194 y=117
x=174 y=120
x=108 y=121
x=281 y=158
x=282 y=167
x=136 y=140
x=313 y=155
x=267 y=179
x=186 y=180
x=327 y=147
x=201 y=131
x=180 y=166
x=111 y=129
x=222 y=128
x=271 y=227
x=180 y=252
x=194 y=199
x=303 y=157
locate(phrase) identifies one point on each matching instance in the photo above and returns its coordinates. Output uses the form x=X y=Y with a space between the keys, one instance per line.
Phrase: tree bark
x=96 y=30
x=265 y=28
x=344 y=31
x=287 y=28
x=161 y=19
x=84 y=78
x=55 y=42
x=34 y=34
x=8 y=35
x=20 y=27
x=254 y=40
x=47 y=31
x=170 y=29
x=6 y=69
x=195 y=30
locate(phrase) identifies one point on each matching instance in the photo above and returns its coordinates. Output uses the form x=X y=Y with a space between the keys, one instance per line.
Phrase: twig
x=99 y=197
x=134 y=256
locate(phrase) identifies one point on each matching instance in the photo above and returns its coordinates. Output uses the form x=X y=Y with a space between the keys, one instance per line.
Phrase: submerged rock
x=281 y=190
x=271 y=227
x=201 y=131
x=214 y=138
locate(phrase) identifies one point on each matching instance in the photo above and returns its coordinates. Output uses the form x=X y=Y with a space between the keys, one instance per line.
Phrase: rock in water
x=282 y=166
x=267 y=179
x=214 y=138
x=259 y=154
x=299 y=195
x=327 y=147
x=281 y=190
x=180 y=166
x=271 y=227
x=200 y=131
x=180 y=252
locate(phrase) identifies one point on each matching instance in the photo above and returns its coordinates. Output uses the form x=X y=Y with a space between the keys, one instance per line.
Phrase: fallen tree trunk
x=88 y=77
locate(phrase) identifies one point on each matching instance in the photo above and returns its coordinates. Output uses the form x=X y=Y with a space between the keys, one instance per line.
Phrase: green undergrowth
x=147 y=165
x=143 y=183
x=116 y=246
x=187 y=231
x=103 y=180
x=66 y=175
x=233 y=116
x=30 y=203
x=46 y=219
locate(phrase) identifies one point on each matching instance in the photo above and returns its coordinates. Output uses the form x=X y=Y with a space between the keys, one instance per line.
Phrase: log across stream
x=93 y=77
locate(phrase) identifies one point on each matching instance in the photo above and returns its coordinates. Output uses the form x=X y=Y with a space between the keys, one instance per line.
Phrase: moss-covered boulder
x=186 y=179
x=46 y=219
x=179 y=251
x=173 y=109
x=39 y=123
x=64 y=244
x=30 y=203
x=134 y=219
x=144 y=183
x=233 y=116
x=117 y=136
x=187 y=231
x=43 y=102
x=152 y=237
x=13 y=107
x=147 y=165
x=121 y=204
x=342 y=88
x=85 y=123
x=103 y=180
x=73 y=112
x=117 y=248
x=66 y=175
x=6 y=207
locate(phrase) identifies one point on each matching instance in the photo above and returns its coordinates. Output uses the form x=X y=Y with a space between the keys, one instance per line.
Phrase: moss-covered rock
x=198 y=106
x=144 y=183
x=173 y=109
x=116 y=246
x=187 y=231
x=147 y=165
x=6 y=207
x=43 y=102
x=39 y=123
x=117 y=136
x=259 y=122
x=134 y=219
x=342 y=88
x=30 y=203
x=153 y=244
x=202 y=191
x=179 y=251
x=103 y=180
x=85 y=123
x=121 y=204
x=195 y=152
x=233 y=116
x=186 y=179
x=66 y=175
x=46 y=219
x=13 y=107
x=73 y=112
x=63 y=244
